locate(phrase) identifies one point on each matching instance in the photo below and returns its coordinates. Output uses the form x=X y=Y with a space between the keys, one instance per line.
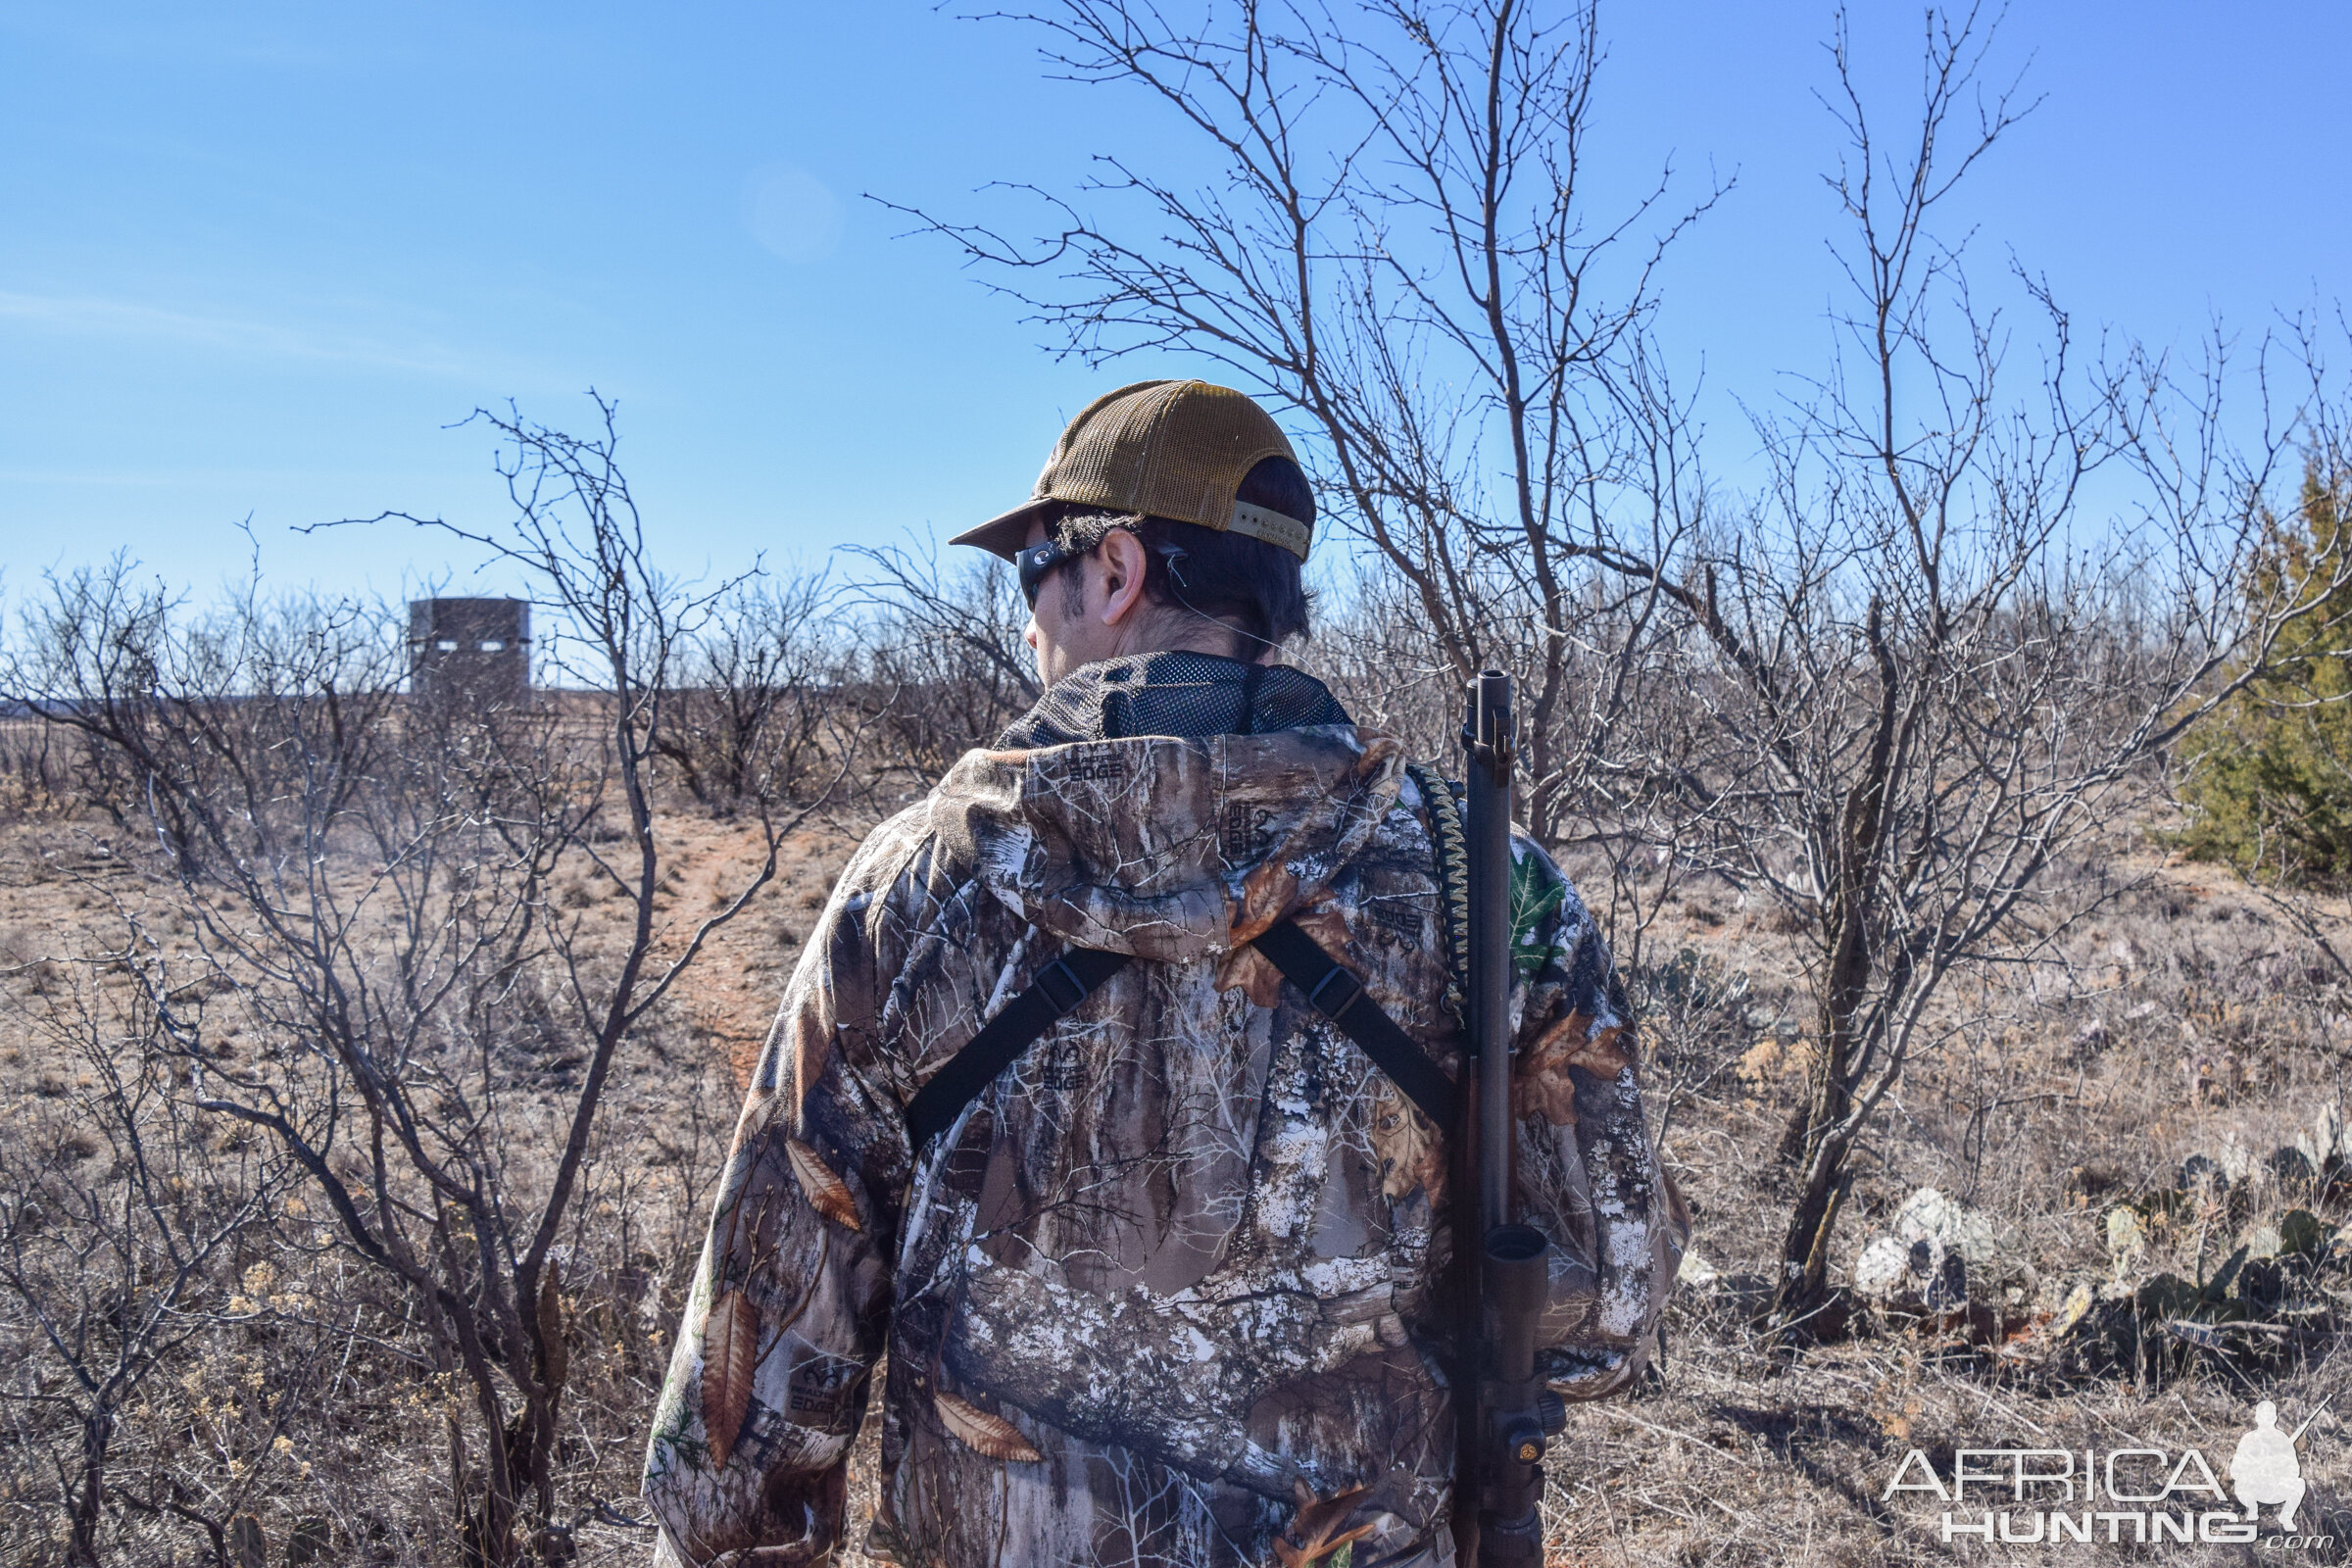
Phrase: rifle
x=1503 y=1412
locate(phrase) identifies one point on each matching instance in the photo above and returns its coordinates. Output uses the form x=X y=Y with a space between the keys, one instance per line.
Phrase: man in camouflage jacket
x=1172 y=1291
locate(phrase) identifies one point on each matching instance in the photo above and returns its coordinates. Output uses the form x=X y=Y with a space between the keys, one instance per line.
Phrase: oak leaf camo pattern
x=1179 y=1270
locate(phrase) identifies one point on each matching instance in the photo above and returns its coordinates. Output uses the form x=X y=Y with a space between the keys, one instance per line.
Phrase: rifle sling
x=1071 y=979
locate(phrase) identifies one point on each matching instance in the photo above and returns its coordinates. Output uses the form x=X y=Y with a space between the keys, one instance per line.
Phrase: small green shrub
x=2271 y=789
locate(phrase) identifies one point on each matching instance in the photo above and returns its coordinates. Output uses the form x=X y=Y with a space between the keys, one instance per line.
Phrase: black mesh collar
x=1173 y=694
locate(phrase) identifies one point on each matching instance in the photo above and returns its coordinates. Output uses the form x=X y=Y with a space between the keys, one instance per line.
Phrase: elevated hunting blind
x=473 y=648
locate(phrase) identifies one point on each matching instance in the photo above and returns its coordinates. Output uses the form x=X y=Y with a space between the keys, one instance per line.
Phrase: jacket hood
x=1168 y=849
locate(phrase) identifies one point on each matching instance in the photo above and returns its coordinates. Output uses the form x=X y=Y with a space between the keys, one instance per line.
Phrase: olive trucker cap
x=1165 y=448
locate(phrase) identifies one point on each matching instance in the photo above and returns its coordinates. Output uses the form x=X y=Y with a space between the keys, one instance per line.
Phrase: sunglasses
x=1035 y=564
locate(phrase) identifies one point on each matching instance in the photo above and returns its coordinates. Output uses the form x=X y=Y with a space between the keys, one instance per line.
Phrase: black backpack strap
x=1056 y=992
x=1071 y=978
x=1339 y=997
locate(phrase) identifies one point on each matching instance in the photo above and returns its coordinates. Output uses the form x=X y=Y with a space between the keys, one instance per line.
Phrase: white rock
x=1884 y=1267
x=1916 y=1257
x=1926 y=1215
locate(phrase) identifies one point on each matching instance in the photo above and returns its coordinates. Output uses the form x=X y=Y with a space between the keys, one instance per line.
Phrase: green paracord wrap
x=1453 y=879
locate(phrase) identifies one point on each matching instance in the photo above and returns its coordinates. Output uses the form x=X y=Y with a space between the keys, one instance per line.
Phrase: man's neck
x=1180 y=632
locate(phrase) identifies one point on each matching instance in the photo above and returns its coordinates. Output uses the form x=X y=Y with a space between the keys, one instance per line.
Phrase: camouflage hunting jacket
x=1171 y=1290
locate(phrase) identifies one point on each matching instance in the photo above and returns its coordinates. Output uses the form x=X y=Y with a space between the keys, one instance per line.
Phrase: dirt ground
x=2191 y=1018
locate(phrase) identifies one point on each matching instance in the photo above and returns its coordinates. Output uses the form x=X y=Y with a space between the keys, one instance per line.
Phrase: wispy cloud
x=131 y=320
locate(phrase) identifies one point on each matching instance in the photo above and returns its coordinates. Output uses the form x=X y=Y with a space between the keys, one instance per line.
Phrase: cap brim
x=1005 y=535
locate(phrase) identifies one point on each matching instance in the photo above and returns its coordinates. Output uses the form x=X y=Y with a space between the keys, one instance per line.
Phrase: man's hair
x=1225 y=576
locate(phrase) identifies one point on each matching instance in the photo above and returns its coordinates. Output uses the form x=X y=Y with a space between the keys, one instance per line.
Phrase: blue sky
x=254 y=259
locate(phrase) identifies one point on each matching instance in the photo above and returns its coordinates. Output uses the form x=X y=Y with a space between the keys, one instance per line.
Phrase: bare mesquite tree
x=941 y=665
x=1889 y=692
x=753 y=695
x=121 y=1224
x=1942 y=670
x=1630 y=820
x=447 y=922
x=1395 y=242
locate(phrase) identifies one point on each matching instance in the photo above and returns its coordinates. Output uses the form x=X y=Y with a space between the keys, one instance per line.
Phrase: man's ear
x=1122 y=557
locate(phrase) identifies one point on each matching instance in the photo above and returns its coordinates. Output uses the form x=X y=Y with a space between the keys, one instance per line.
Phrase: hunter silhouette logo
x=2265 y=1469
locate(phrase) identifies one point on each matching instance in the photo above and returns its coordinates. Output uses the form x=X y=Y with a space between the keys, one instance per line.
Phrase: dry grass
x=2188 y=1016
x=298 y=1390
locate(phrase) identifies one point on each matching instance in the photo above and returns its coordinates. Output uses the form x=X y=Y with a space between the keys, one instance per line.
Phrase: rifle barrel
x=1488 y=830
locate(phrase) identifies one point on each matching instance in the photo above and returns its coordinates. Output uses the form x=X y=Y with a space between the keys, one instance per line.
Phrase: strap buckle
x=1345 y=992
x=1062 y=988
